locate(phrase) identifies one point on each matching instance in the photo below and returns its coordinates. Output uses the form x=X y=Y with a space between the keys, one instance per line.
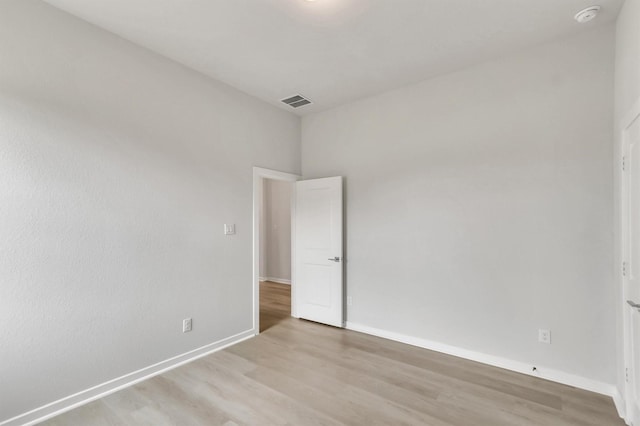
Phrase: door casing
x=631 y=411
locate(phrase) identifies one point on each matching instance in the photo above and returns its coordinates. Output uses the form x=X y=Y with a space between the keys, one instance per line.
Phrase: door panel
x=631 y=233
x=318 y=224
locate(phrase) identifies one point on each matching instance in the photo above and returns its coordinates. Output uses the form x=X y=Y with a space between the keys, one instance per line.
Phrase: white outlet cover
x=544 y=336
x=187 y=325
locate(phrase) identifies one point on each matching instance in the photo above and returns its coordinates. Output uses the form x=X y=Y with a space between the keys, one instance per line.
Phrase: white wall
x=276 y=231
x=478 y=205
x=118 y=169
x=627 y=65
x=627 y=92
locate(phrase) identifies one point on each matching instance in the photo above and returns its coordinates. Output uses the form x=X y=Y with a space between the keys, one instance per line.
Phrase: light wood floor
x=301 y=373
x=275 y=304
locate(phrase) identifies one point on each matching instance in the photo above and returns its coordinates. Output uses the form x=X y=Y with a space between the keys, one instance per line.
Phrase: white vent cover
x=296 y=101
x=586 y=15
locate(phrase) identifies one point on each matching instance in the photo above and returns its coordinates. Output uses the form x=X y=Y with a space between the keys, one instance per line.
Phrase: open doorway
x=272 y=236
x=275 y=252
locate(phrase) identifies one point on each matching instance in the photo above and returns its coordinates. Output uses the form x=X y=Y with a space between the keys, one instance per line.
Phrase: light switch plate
x=229 y=229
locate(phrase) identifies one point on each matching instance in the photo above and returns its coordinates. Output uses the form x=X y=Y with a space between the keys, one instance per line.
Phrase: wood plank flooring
x=301 y=373
x=275 y=304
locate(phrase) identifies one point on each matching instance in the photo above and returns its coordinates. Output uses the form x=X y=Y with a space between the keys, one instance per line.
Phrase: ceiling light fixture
x=586 y=15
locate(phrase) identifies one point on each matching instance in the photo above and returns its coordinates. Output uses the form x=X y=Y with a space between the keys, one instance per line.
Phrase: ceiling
x=333 y=51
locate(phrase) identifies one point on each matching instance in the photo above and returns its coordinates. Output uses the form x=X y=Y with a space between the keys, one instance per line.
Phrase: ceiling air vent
x=296 y=101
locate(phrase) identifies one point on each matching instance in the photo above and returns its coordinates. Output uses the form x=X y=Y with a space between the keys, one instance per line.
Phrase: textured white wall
x=118 y=169
x=627 y=64
x=479 y=205
x=627 y=92
x=277 y=229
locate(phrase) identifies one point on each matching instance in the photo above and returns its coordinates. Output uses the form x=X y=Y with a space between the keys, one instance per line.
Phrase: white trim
x=508 y=364
x=294 y=288
x=96 y=392
x=630 y=117
x=276 y=280
x=620 y=404
x=259 y=174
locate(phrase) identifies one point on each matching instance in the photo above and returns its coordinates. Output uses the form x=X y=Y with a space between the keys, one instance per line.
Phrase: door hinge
x=626 y=375
x=624 y=163
x=624 y=269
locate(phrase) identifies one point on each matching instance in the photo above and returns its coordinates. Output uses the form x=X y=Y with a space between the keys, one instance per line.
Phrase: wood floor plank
x=302 y=373
x=251 y=397
x=421 y=363
x=419 y=399
x=94 y=414
x=334 y=381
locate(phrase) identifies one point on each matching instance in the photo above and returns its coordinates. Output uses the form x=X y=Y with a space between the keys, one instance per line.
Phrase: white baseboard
x=508 y=364
x=620 y=403
x=276 y=280
x=83 y=397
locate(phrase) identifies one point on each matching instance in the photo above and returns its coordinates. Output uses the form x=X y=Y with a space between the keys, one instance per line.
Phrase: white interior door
x=318 y=250
x=631 y=267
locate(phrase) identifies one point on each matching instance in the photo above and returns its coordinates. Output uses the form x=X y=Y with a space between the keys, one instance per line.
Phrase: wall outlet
x=229 y=229
x=349 y=301
x=187 y=325
x=544 y=336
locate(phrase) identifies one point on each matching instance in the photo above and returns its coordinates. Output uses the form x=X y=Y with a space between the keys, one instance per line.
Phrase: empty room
x=319 y=212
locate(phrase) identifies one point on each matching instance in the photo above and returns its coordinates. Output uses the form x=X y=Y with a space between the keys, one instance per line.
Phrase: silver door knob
x=335 y=259
x=634 y=304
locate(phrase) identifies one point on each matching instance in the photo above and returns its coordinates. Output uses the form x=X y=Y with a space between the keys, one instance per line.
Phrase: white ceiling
x=333 y=51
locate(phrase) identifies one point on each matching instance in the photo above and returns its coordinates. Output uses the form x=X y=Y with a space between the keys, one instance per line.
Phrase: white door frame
x=627 y=121
x=259 y=175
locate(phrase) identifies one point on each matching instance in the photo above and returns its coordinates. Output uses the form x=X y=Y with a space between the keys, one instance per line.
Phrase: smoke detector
x=586 y=15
